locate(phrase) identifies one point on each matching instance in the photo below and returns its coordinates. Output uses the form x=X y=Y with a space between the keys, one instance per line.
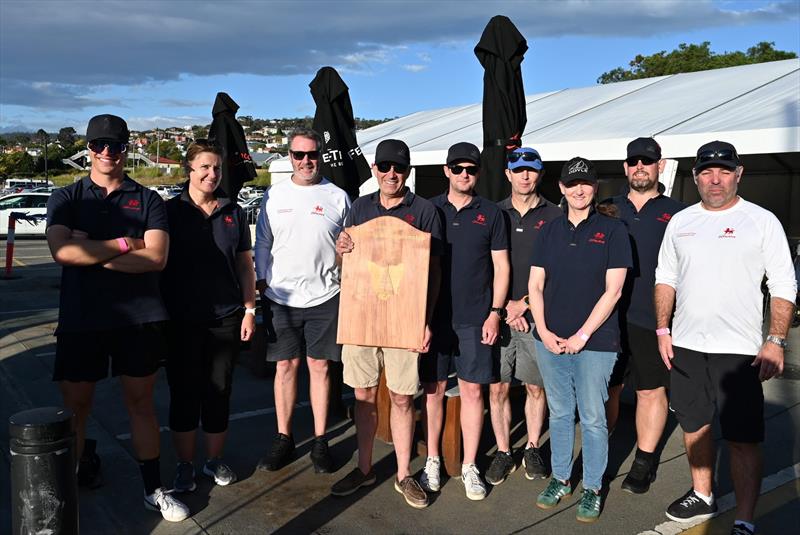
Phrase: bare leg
x=138 y=397
x=535 y=412
x=471 y=418
x=612 y=406
x=433 y=415
x=402 y=422
x=746 y=469
x=651 y=417
x=78 y=397
x=215 y=444
x=500 y=412
x=701 y=454
x=366 y=424
x=184 y=444
x=319 y=391
x=285 y=393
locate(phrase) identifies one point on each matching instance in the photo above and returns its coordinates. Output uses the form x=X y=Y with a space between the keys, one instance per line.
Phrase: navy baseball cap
x=578 y=169
x=109 y=127
x=394 y=151
x=524 y=157
x=463 y=151
x=716 y=153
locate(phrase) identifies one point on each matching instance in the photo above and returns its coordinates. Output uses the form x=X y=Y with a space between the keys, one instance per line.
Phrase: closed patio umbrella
x=225 y=131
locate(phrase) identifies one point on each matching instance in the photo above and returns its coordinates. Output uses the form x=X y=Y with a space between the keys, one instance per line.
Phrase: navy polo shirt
x=575 y=260
x=200 y=283
x=470 y=234
x=413 y=209
x=646 y=228
x=94 y=298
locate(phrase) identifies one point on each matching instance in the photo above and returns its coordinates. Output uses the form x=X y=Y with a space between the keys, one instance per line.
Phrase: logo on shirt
x=318 y=210
x=133 y=204
x=598 y=237
x=228 y=220
x=409 y=218
x=664 y=218
x=539 y=224
x=727 y=232
x=480 y=219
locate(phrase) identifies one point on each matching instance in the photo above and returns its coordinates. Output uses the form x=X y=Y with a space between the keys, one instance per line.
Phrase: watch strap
x=662 y=331
x=777 y=340
x=123 y=245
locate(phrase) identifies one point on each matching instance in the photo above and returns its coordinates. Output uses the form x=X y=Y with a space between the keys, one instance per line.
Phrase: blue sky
x=161 y=63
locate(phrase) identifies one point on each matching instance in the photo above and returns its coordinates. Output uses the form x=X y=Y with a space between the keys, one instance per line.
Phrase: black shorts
x=643 y=367
x=460 y=349
x=704 y=383
x=134 y=350
x=296 y=332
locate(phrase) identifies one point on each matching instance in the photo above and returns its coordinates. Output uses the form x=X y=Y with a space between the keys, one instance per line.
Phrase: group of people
x=572 y=300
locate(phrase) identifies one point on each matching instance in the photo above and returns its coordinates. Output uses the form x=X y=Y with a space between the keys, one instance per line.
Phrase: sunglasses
x=634 y=160
x=526 y=156
x=299 y=155
x=399 y=168
x=114 y=147
x=472 y=170
x=724 y=155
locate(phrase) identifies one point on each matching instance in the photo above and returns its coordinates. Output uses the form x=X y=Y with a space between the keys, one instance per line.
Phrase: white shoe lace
x=690 y=500
x=171 y=508
x=471 y=478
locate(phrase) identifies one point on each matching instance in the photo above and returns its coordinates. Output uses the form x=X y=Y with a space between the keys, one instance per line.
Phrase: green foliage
x=262 y=178
x=692 y=58
x=67 y=136
x=165 y=148
x=14 y=163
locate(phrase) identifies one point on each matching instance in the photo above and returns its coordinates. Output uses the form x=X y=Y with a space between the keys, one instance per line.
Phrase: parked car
x=33 y=205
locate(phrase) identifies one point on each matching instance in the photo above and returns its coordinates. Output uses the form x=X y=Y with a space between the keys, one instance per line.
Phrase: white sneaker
x=473 y=483
x=429 y=479
x=171 y=509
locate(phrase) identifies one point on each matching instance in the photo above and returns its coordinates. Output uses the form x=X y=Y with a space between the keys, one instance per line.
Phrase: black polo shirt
x=470 y=235
x=200 y=283
x=94 y=298
x=413 y=209
x=646 y=228
x=575 y=260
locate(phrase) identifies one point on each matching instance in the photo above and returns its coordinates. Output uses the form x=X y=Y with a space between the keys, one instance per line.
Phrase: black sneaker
x=691 y=507
x=279 y=456
x=321 y=456
x=89 y=466
x=639 y=478
x=502 y=465
x=534 y=464
x=184 y=478
x=741 y=529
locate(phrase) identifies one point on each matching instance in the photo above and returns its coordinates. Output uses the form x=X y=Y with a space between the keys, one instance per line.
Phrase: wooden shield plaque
x=384 y=285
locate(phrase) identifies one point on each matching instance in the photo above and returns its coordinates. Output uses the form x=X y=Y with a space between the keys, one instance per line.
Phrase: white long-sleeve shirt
x=295 y=245
x=716 y=261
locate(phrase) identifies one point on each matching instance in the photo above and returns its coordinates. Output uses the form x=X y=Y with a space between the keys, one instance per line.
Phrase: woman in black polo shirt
x=208 y=283
x=579 y=265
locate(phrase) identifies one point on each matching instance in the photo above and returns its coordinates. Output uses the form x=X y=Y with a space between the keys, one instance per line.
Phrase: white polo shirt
x=295 y=245
x=716 y=261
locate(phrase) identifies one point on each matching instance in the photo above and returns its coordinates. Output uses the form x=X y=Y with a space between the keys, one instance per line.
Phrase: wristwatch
x=502 y=312
x=526 y=300
x=250 y=311
x=777 y=340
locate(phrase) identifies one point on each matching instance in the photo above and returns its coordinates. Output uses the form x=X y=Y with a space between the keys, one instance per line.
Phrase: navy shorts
x=296 y=332
x=460 y=349
x=639 y=364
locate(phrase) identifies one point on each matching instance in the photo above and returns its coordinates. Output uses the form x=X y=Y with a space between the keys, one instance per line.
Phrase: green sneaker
x=589 y=506
x=550 y=496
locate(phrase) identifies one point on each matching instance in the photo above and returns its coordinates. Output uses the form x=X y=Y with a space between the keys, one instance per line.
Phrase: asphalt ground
x=295 y=500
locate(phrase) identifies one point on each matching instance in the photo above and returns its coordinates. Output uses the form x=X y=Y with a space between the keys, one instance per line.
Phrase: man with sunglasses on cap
x=109 y=234
x=645 y=210
x=362 y=365
x=470 y=309
x=526 y=213
x=712 y=260
x=298 y=275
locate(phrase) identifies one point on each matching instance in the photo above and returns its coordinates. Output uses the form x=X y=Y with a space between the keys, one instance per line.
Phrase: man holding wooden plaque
x=363 y=364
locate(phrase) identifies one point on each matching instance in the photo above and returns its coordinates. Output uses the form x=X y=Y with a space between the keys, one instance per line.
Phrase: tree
x=692 y=58
x=67 y=136
x=166 y=148
x=16 y=163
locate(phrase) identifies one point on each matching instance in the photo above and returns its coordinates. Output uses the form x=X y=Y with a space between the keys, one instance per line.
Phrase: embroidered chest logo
x=539 y=224
x=598 y=237
x=480 y=219
x=664 y=218
x=228 y=220
x=727 y=232
x=133 y=204
x=409 y=218
x=318 y=210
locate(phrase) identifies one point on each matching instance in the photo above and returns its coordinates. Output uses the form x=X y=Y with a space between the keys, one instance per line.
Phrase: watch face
x=502 y=312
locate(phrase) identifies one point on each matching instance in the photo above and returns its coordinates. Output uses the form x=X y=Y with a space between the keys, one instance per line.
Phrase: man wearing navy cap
x=710 y=266
x=470 y=309
x=645 y=211
x=110 y=235
x=526 y=214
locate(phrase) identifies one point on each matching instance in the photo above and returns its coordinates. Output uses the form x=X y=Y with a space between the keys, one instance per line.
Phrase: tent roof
x=755 y=107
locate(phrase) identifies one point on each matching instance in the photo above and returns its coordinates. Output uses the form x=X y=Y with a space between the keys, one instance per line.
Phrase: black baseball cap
x=109 y=127
x=394 y=151
x=716 y=153
x=464 y=151
x=578 y=169
x=644 y=146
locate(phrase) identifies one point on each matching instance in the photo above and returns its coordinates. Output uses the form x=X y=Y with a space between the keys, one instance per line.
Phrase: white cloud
x=415 y=67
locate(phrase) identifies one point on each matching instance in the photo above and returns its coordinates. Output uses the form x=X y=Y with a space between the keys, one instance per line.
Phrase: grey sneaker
x=172 y=509
x=430 y=478
x=221 y=472
x=184 y=478
x=473 y=483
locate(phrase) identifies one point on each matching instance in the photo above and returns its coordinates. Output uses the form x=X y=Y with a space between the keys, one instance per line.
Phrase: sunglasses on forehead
x=384 y=167
x=471 y=170
x=525 y=156
x=634 y=160
x=301 y=154
x=724 y=154
x=114 y=147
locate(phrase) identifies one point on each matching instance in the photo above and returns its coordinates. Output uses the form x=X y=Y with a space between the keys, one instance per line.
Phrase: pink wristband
x=662 y=331
x=123 y=245
x=583 y=336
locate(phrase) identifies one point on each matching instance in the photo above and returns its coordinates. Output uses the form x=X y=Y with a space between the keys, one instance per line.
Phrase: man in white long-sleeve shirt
x=713 y=258
x=298 y=274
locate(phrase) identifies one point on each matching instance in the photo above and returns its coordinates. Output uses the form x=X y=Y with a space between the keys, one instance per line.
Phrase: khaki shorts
x=362 y=368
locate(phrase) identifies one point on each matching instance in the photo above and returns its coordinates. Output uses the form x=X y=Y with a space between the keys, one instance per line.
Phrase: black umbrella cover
x=500 y=50
x=342 y=160
x=225 y=131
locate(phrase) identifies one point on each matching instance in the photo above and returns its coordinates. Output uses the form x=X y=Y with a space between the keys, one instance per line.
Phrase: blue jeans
x=577 y=380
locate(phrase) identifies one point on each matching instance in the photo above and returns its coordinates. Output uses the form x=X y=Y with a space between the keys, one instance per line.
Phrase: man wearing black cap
x=362 y=365
x=526 y=213
x=475 y=279
x=712 y=260
x=110 y=235
x=645 y=212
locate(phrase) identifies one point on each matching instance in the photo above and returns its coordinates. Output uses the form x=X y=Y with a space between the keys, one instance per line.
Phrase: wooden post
x=384 y=409
x=451 y=437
